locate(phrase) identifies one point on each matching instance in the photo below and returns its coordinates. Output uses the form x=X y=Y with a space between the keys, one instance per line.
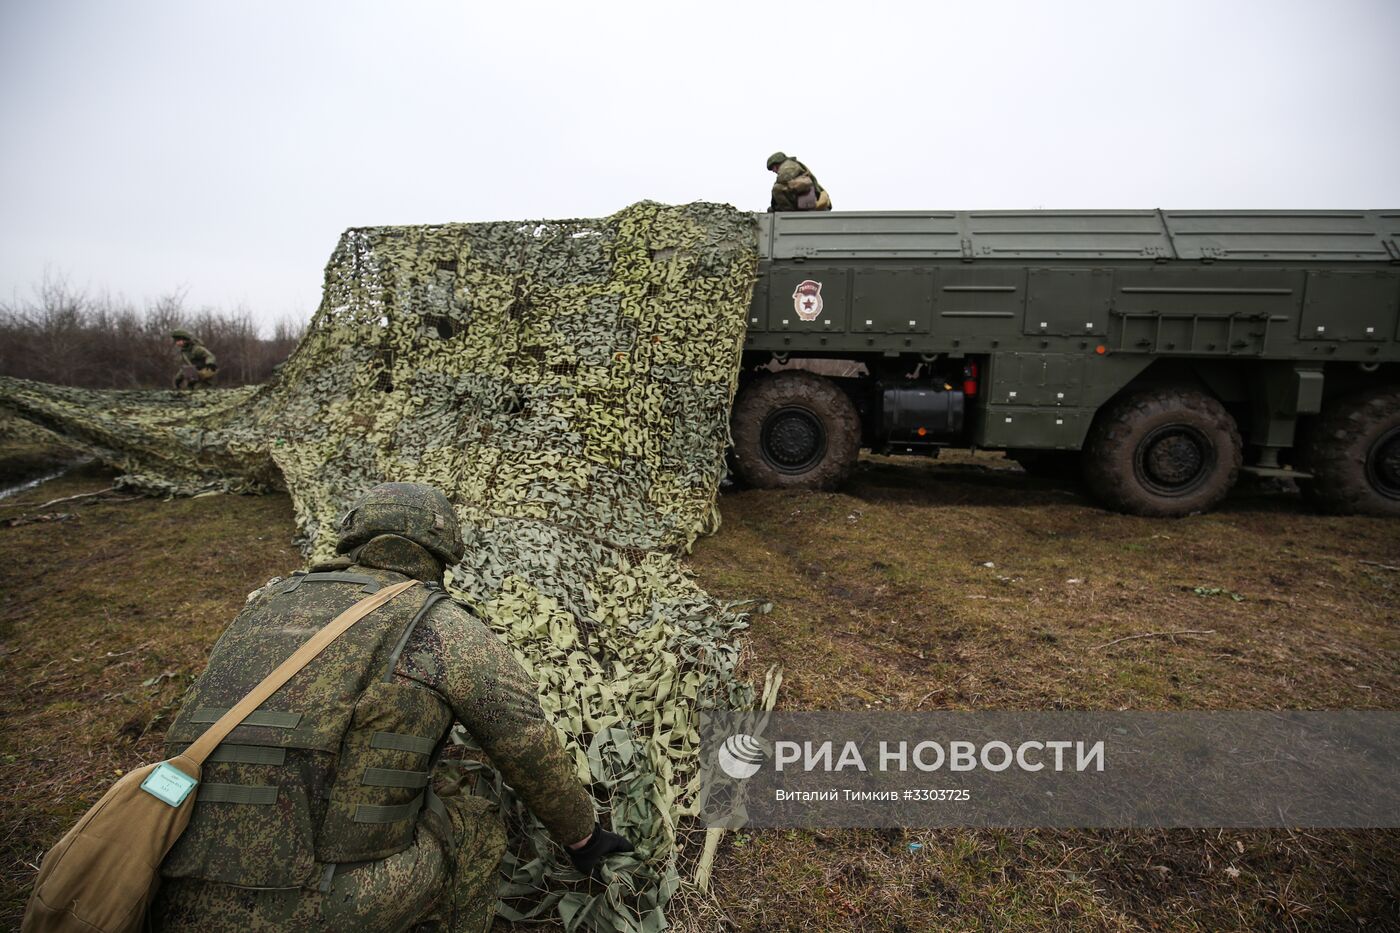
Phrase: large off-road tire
x=794 y=430
x=1353 y=452
x=1163 y=453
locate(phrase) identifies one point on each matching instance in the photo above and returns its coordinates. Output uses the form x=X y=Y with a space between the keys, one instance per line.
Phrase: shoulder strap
x=434 y=595
x=285 y=671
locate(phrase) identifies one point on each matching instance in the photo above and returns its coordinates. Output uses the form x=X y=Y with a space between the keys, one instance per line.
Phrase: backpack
x=103 y=874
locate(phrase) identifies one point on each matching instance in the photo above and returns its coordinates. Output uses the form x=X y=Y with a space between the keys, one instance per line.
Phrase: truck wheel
x=795 y=430
x=1353 y=453
x=1163 y=453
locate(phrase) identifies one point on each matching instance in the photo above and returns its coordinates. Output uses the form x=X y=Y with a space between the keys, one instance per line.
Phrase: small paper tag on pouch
x=169 y=784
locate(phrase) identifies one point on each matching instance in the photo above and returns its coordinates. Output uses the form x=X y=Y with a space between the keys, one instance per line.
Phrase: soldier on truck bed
x=797 y=188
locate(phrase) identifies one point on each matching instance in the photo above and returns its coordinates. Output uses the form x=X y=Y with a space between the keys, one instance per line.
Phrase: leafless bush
x=66 y=336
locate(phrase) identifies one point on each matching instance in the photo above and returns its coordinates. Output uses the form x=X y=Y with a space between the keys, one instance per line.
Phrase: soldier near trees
x=319 y=811
x=797 y=188
x=198 y=366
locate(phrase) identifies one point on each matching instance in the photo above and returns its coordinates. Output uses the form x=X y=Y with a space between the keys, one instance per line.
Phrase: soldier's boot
x=478 y=839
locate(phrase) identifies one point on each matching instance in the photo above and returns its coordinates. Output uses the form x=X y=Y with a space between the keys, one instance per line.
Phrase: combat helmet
x=416 y=511
x=777 y=158
x=181 y=334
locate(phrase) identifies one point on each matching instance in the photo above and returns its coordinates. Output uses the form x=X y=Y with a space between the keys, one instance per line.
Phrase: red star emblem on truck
x=807 y=299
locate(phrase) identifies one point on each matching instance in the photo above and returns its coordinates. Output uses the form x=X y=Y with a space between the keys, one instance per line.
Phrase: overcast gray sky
x=222 y=147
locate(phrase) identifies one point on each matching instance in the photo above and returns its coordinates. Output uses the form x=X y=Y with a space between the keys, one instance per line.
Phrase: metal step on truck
x=1157 y=354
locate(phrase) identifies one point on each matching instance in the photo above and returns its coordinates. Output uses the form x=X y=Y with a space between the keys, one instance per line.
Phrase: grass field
x=968 y=585
x=924 y=585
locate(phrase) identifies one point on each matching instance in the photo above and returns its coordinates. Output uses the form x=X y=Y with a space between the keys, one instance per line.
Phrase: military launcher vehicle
x=1156 y=353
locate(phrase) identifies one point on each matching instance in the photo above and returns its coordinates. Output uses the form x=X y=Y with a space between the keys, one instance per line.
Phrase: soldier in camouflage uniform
x=797 y=188
x=317 y=813
x=198 y=366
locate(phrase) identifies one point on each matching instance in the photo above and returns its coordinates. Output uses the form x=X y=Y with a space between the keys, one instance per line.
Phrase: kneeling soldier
x=317 y=813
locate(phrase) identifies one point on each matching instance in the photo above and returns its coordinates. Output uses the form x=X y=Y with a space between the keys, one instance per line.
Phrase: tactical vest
x=335 y=767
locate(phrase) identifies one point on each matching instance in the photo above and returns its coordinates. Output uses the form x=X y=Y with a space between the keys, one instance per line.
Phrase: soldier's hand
x=600 y=845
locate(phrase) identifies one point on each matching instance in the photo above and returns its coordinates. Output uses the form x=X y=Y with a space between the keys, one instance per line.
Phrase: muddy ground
x=959 y=584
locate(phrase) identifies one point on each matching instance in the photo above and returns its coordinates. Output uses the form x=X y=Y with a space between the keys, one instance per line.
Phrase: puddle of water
x=29 y=484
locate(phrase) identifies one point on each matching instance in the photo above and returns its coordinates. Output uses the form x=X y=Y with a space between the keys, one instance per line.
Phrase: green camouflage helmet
x=777 y=158
x=179 y=334
x=415 y=511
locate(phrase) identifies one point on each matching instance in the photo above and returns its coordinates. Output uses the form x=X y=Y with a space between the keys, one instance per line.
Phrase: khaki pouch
x=103 y=874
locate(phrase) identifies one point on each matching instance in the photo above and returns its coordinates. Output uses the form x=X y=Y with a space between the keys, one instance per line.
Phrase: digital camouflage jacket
x=335 y=767
x=197 y=355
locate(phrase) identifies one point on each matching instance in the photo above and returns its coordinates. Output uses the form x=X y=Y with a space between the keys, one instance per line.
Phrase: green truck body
x=1030 y=331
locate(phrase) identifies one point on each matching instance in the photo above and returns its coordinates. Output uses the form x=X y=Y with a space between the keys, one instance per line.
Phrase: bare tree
x=67 y=336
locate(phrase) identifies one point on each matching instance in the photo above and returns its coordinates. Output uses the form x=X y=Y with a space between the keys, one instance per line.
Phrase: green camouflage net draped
x=568 y=384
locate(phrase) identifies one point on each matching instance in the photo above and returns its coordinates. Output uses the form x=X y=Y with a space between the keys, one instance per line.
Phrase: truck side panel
x=1211 y=310
x=976 y=305
x=1047 y=400
x=1068 y=308
x=1341 y=305
x=1267 y=341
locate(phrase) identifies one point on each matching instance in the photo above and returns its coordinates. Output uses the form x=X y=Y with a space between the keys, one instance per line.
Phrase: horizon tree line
x=65 y=335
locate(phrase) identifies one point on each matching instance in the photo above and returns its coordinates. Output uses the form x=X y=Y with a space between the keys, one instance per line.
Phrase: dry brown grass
x=104 y=618
x=881 y=599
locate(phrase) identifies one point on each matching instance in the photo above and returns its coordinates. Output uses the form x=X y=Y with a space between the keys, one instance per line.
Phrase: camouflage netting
x=568 y=384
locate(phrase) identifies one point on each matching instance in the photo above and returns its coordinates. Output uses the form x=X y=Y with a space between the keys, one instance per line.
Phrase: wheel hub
x=1174 y=459
x=1383 y=464
x=793 y=440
